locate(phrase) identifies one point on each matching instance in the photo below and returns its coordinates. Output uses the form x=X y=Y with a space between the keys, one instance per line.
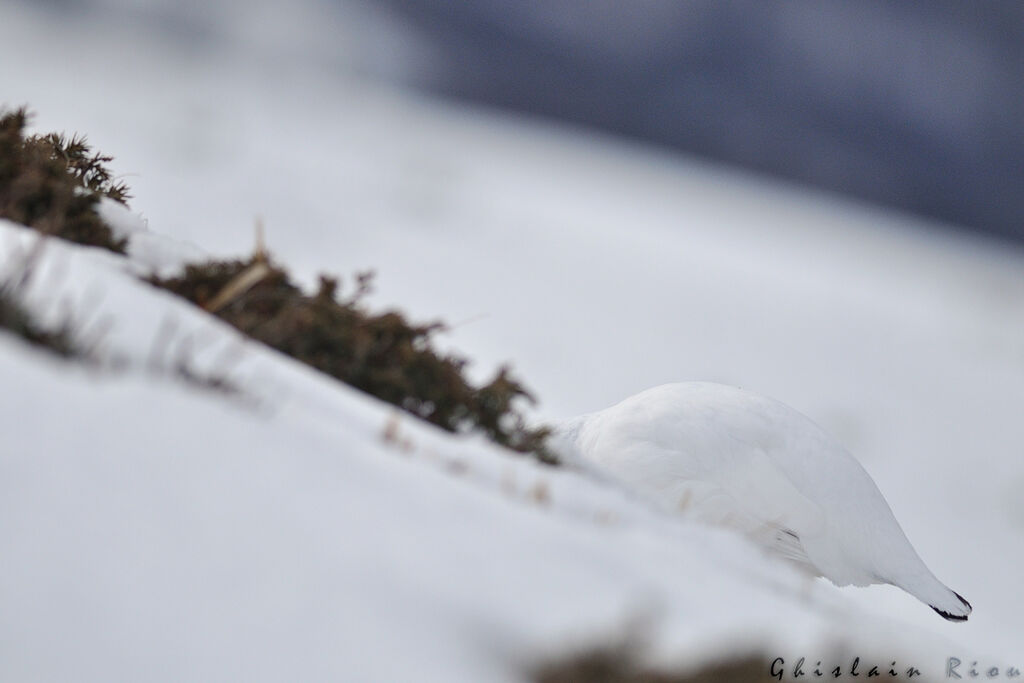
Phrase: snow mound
x=157 y=530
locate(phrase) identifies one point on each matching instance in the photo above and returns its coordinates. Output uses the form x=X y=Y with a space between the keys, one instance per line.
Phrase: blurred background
x=912 y=105
x=916 y=106
x=820 y=201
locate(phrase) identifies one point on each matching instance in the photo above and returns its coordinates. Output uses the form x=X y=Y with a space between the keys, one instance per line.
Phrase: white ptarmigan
x=733 y=458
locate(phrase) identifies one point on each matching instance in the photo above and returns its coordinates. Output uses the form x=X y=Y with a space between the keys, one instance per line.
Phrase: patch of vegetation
x=382 y=354
x=53 y=183
x=619 y=664
x=18 y=321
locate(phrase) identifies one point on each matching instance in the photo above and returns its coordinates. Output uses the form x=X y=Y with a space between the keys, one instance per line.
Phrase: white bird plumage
x=733 y=458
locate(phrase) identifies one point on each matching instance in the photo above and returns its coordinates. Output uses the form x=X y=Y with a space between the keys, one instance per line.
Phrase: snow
x=153 y=529
x=166 y=533
x=150 y=253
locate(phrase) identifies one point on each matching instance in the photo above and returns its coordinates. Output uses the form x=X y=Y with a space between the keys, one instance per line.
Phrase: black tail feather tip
x=954 y=617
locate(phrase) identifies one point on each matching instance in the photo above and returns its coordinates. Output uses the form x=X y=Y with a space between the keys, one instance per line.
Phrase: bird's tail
x=947 y=603
x=954 y=609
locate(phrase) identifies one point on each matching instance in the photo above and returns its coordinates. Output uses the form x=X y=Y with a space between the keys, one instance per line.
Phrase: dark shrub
x=16 y=320
x=619 y=664
x=382 y=354
x=52 y=183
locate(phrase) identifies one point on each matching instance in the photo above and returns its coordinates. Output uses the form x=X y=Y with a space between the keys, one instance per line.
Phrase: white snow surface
x=155 y=530
x=152 y=530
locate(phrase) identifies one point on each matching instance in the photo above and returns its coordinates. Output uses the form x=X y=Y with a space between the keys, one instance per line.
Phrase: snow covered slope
x=599 y=269
x=154 y=530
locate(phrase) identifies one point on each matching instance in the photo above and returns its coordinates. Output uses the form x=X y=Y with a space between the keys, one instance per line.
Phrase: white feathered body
x=733 y=458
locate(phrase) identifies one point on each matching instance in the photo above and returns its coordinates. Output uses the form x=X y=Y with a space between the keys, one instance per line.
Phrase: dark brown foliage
x=52 y=183
x=15 y=319
x=620 y=665
x=382 y=354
